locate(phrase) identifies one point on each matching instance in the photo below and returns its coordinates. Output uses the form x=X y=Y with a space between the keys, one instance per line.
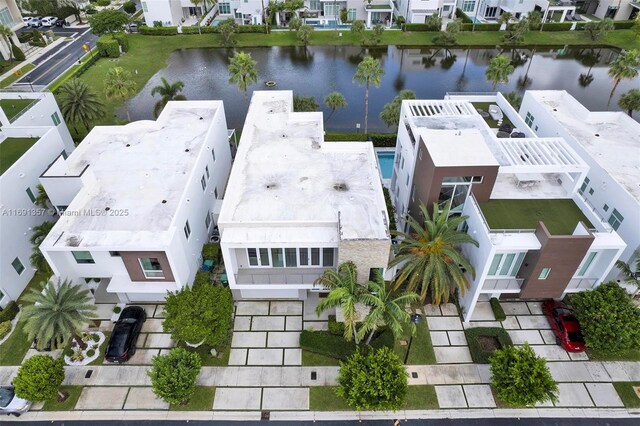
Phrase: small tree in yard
x=304 y=34
x=295 y=23
x=609 y=320
x=108 y=21
x=358 y=27
x=373 y=380
x=227 y=28
x=39 y=378
x=129 y=7
x=520 y=377
x=598 y=29
x=305 y=103
x=201 y=314
x=173 y=376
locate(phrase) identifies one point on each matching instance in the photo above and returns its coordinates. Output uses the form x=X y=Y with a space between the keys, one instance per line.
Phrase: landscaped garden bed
x=484 y=341
x=76 y=355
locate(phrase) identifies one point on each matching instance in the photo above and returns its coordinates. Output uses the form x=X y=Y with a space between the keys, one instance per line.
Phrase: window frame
x=56 y=118
x=81 y=261
x=544 y=274
x=22 y=267
x=187 y=229
x=615 y=219
x=144 y=271
x=31 y=195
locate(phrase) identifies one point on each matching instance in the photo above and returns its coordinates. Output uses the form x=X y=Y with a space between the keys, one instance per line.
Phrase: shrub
x=162 y=31
x=346 y=137
x=623 y=25
x=557 y=26
x=609 y=320
x=18 y=54
x=202 y=278
x=373 y=380
x=129 y=7
x=25 y=37
x=39 y=378
x=390 y=210
x=90 y=10
x=173 y=376
x=5 y=328
x=77 y=355
x=68 y=352
x=91 y=353
x=480 y=27
x=326 y=343
x=108 y=47
x=480 y=354
x=95 y=337
x=498 y=312
x=123 y=41
x=103 y=2
x=520 y=377
x=10 y=311
x=463 y=16
x=383 y=140
x=157 y=24
x=251 y=29
x=200 y=313
x=335 y=328
x=37 y=39
x=211 y=251
x=419 y=27
x=117 y=309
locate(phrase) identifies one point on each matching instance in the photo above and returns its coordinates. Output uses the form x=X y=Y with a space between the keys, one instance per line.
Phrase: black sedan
x=122 y=344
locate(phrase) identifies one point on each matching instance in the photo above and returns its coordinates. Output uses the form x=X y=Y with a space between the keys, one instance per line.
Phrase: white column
x=564 y=15
x=368 y=19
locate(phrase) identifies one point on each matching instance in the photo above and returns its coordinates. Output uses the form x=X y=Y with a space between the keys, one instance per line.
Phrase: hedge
x=158 y=30
x=384 y=140
x=123 y=41
x=557 y=26
x=380 y=140
x=346 y=137
x=211 y=251
x=9 y=312
x=480 y=27
x=194 y=30
x=251 y=29
x=623 y=25
x=25 y=37
x=580 y=26
x=420 y=27
x=498 y=312
x=478 y=355
x=5 y=328
x=108 y=47
x=335 y=328
x=463 y=16
x=164 y=31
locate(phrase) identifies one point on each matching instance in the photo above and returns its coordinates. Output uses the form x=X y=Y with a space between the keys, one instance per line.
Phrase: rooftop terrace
x=560 y=216
x=11 y=149
x=13 y=107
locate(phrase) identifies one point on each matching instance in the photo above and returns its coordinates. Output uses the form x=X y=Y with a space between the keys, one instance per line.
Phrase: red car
x=564 y=325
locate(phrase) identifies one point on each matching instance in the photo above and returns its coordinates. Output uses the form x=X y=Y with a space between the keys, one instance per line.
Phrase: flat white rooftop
x=138 y=172
x=611 y=138
x=285 y=176
x=450 y=148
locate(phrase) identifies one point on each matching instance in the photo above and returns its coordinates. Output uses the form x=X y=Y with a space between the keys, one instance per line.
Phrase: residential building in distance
x=619 y=10
x=297 y=205
x=172 y=12
x=417 y=11
x=521 y=189
x=138 y=201
x=11 y=18
x=33 y=135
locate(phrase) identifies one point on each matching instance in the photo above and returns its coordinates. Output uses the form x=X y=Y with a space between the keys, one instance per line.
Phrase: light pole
x=29 y=81
x=416 y=319
x=475 y=17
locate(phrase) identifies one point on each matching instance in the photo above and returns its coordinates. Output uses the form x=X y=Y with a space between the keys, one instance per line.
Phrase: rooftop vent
x=272 y=185
x=164 y=201
x=186 y=150
x=73 y=241
x=128 y=145
x=340 y=186
x=597 y=135
x=106 y=209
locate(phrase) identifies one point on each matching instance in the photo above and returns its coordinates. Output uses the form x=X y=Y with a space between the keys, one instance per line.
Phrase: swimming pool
x=385 y=160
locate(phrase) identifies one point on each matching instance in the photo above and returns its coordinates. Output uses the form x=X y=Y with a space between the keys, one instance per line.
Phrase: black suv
x=122 y=344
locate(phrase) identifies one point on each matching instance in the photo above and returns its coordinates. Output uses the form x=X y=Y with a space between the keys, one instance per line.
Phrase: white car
x=10 y=403
x=49 y=21
x=34 y=21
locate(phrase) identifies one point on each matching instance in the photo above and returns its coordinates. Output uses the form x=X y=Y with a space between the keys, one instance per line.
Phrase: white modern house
x=296 y=205
x=173 y=12
x=490 y=10
x=138 y=201
x=521 y=189
x=417 y=11
x=10 y=17
x=618 y=10
x=33 y=135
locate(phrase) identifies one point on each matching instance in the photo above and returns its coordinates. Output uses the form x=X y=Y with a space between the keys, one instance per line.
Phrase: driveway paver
x=432 y=310
x=283 y=339
x=242 y=324
x=260 y=323
x=449 y=309
x=293 y=357
x=535 y=308
x=102 y=398
x=285 y=399
x=551 y=352
x=604 y=395
x=479 y=396
x=316 y=325
x=548 y=337
x=457 y=338
x=237 y=399
x=144 y=399
x=573 y=395
x=159 y=340
x=265 y=357
x=249 y=339
x=280 y=307
x=511 y=323
x=439 y=338
x=238 y=356
x=451 y=397
x=537 y=322
x=143 y=356
x=444 y=323
x=252 y=308
x=293 y=324
x=483 y=312
x=518 y=337
x=152 y=325
x=452 y=354
x=515 y=308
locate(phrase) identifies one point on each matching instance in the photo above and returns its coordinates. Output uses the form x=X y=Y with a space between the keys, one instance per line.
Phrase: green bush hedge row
x=420 y=27
x=498 y=312
x=480 y=27
x=346 y=137
x=335 y=328
x=380 y=140
x=164 y=31
x=623 y=25
x=479 y=355
x=557 y=26
x=9 y=312
x=383 y=140
x=5 y=328
x=108 y=47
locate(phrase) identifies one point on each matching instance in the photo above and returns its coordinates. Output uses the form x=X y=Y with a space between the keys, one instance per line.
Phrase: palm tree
x=196 y=3
x=369 y=71
x=430 y=256
x=42 y=199
x=333 y=101
x=39 y=233
x=57 y=313
x=625 y=66
x=344 y=292
x=631 y=276
x=499 y=70
x=6 y=34
x=388 y=308
x=242 y=71
x=119 y=84
x=630 y=101
x=169 y=92
x=79 y=104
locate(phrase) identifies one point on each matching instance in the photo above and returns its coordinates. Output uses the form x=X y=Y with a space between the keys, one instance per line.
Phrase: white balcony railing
x=278 y=276
x=582 y=283
x=509 y=284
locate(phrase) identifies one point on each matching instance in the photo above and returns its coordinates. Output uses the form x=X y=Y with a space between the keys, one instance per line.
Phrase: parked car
x=10 y=403
x=25 y=19
x=49 y=21
x=60 y=22
x=122 y=343
x=35 y=21
x=133 y=27
x=564 y=325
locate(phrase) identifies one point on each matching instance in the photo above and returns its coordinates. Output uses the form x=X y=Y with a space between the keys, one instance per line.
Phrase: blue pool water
x=385 y=159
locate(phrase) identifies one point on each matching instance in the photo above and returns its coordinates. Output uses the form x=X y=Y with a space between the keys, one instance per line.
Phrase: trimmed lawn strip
x=13 y=77
x=312 y=359
x=12 y=150
x=630 y=355
x=478 y=354
x=419 y=397
x=13 y=107
x=68 y=404
x=202 y=400
x=627 y=394
x=421 y=351
x=207 y=359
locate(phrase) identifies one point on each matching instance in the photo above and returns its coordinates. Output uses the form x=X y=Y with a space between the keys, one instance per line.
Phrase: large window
x=151 y=267
x=5 y=17
x=506 y=264
x=490 y=12
x=331 y=10
x=225 y=9
x=315 y=5
x=82 y=257
x=468 y=5
x=351 y=15
x=291 y=257
x=586 y=263
x=584 y=186
x=615 y=220
x=529 y=119
x=17 y=265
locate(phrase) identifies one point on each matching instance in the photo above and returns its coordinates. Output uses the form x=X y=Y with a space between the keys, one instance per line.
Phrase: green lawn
x=312 y=359
x=205 y=355
x=16 y=75
x=421 y=351
x=559 y=216
x=202 y=400
x=68 y=404
x=627 y=394
x=631 y=355
x=13 y=107
x=490 y=121
x=11 y=149
x=324 y=398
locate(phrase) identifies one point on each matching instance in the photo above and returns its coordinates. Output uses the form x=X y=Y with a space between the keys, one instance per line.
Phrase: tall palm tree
x=430 y=256
x=333 y=101
x=79 y=104
x=6 y=34
x=625 y=66
x=119 y=85
x=499 y=70
x=369 y=71
x=169 y=92
x=242 y=71
x=57 y=313
x=630 y=101
x=388 y=308
x=39 y=233
x=196 y=3
x=631 y=276
x=346 y=292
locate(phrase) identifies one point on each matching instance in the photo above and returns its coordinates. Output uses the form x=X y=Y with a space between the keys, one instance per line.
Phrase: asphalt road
x=430 y=422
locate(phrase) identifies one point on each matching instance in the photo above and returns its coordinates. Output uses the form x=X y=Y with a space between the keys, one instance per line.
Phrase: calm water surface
x=318 y=70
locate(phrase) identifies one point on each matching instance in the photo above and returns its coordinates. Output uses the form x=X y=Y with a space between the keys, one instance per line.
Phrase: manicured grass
x=627 y=394
x=205 y=355
x=559 y=216
x=421 y=351
x=324 y=398
x=13 y=107
x=311 y=359
x=479 y=354
x=68 y=404
x=12 y=149
x=16 y=75
x=631 y=355
x=202 y=400
x=490 y=121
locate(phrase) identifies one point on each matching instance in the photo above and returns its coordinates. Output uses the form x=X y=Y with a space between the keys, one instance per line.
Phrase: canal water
x=318 y=70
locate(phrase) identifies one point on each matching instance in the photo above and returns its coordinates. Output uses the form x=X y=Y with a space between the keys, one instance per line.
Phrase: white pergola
x=425 y=108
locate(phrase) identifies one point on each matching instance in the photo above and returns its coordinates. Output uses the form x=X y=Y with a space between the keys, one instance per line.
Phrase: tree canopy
x=108 y=21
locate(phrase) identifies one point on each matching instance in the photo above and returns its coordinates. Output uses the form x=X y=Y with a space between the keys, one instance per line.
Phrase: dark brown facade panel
x=131 y=263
